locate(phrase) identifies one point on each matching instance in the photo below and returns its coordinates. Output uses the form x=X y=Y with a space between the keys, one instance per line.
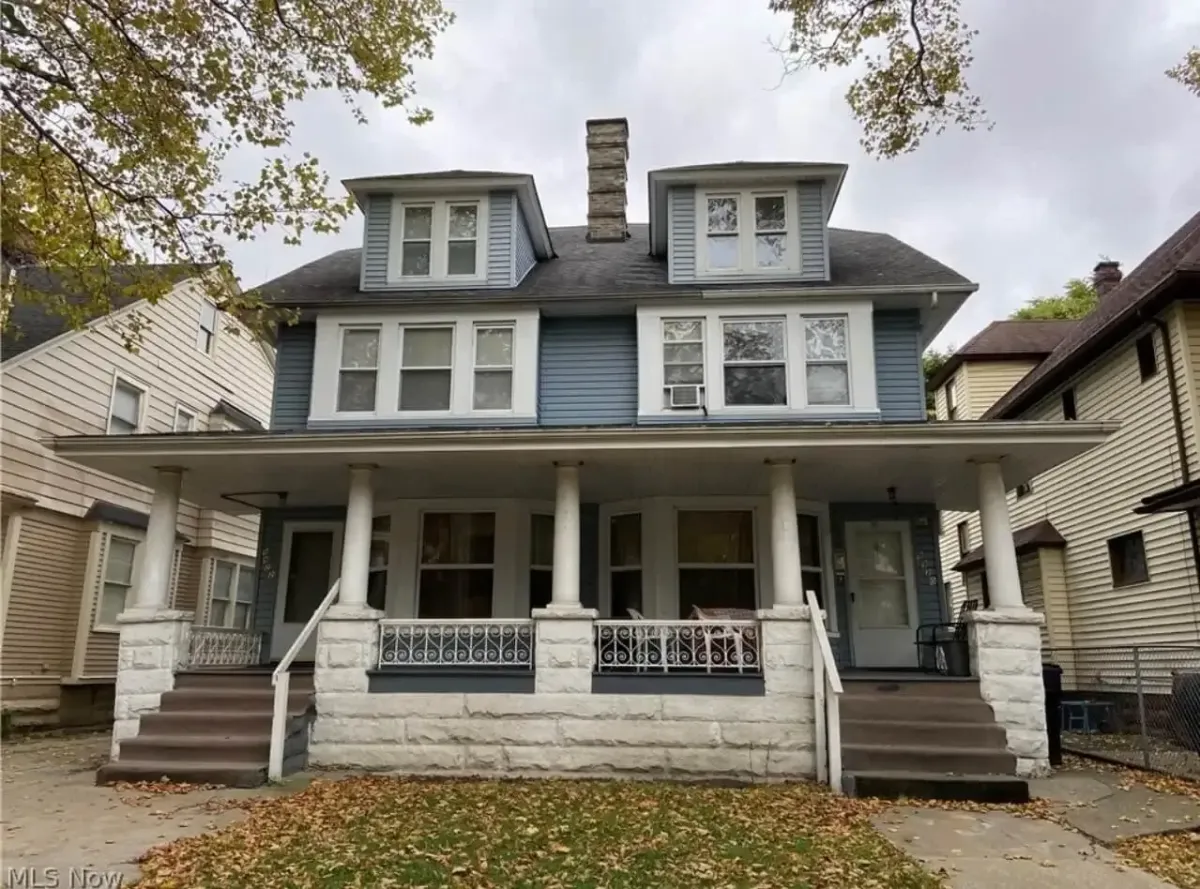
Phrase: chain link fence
x=1138 y=704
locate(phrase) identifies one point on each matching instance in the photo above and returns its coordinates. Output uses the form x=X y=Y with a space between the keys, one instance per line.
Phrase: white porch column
x=999 y=554
x=785 y=536
x=564 y=590
x=356 y=540
x=158 y=549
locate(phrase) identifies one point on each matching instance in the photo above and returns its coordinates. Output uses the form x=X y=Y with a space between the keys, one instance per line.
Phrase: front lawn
x=395 y=832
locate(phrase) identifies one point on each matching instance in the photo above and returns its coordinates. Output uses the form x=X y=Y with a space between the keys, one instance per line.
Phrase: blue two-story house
x=478 y=417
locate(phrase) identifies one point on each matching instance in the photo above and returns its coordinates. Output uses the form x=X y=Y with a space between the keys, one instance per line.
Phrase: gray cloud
x=1092 y=152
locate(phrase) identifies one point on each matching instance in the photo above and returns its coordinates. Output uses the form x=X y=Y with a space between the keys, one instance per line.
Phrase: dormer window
x=439 y=241
x=748 y=232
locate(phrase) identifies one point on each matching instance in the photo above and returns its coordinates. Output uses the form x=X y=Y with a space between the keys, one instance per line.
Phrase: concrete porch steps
x=926 y=738
x=214 y=727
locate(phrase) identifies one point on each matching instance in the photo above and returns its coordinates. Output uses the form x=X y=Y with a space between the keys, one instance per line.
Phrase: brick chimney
x=608 y=154
x=1106 y=276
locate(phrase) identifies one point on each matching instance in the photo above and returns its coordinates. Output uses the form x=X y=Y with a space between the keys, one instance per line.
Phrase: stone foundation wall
x=152 y=648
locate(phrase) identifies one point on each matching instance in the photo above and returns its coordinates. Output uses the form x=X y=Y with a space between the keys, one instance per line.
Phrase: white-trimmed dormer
x=454 y=230
x=744 y=222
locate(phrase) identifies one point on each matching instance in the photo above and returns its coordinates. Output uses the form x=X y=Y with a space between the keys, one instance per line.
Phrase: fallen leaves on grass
x=1173 y=856
x=389 y=831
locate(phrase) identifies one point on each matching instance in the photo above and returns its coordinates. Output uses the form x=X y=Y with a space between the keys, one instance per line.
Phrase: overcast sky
x=1094 y=150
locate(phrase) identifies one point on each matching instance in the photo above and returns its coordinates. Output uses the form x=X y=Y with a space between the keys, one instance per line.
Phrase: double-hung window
x=541 y=559
x=755 y=356
x=426 y=368
x=438 y=241
x=716 y=560
x=747 y=232
x=125 y=414
x=116 y=579
x=185 y=420
x=827 y=360
x=206 y=334
x=625 y=564
x=493 y=367
x=358 y=371
x=683 y=361
x=232 y=602
x=457 y=564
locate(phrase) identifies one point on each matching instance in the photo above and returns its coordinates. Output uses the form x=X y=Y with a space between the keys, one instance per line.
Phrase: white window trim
x=439 y=248
x=860 y=315
x=746 y=233
x=952 y=398
x=143 y=402
x=327 y=359
x=181 y=408
x=211 y=351
x=210 y=573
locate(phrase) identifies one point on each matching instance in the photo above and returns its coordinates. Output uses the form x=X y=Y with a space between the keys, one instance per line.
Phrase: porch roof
x=922 y=462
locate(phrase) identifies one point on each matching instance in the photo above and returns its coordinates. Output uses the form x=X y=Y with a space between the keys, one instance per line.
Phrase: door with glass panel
x=883 y=594
x=715 y=550
x=309 y=565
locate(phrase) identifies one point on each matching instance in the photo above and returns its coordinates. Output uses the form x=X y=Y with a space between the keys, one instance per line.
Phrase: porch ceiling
x=927 y=462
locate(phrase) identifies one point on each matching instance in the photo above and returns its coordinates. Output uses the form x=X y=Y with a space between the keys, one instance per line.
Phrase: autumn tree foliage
x=120 y=117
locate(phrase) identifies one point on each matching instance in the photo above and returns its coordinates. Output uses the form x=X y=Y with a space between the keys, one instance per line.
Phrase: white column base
x=154 y=644
x=1006 y=655
x=564 y=650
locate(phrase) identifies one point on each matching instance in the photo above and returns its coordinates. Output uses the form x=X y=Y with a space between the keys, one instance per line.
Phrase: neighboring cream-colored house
x=71 y=536
x=1107 y=555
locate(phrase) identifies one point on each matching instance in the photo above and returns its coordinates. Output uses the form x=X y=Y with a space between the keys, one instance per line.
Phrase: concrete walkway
x=978 y=848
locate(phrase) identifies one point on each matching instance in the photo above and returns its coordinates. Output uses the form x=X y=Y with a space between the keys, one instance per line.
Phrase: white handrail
x=827 y=691
x=282 y=680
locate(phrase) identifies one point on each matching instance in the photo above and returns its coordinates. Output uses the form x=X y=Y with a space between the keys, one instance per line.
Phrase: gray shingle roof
x=32 y=323
x=1180 y=253
x=583 y=269
x=1006 y=340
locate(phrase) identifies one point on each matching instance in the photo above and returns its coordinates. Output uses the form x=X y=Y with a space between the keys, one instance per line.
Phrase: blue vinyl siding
x=923 y=522
x=899 y=376
x=270 y=551
x=524 y=257
x=587 y=373
x=294 y=349
x=684 y=240
x=377 y=228
x=681 y=249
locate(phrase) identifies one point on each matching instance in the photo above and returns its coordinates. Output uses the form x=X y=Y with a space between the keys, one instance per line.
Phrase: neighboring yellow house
x=1107 y=542
x=70 y=536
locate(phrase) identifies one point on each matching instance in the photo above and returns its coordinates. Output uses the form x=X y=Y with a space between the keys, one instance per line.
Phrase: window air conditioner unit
x=685 y=396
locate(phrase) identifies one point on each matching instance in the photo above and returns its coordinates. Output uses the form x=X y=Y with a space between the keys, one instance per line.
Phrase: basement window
x=1147 y=363
x=1127 y=559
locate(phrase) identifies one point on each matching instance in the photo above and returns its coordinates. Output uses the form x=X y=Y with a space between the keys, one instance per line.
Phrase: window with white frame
x=377 y=564
x=125 y=413
x=625 y=564
x=952 y=399
x=715 y=550
x=748 y=231
x=439 y=240
x=541 y=559
x=231 y=603
x=206 y=333
x=456 y=565
x=185 y=420
x=683 y=362
x=812 y=573
x=426 y=368
x=755 y=361
x=116 y=578
x=358 y=369
x=493 y=367
x=827 y=360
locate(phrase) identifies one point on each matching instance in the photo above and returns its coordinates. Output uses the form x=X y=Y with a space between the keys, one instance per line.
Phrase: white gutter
x=878 y=290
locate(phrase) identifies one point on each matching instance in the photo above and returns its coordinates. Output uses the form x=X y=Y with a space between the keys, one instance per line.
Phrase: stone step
x=933 y=687
x=993 y=789
x=231 y=700
x=914 y=708
x=202 y=772
x=907 y=733
x=235 y=679
x=215 y=723
x=927 y=760
x=231 y=750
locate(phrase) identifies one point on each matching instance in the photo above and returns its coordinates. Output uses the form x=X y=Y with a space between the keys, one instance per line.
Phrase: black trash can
x=1052 y=682
x=955 y=653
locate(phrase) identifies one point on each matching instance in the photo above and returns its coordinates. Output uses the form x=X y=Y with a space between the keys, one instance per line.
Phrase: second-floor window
x=683 y=362
x=359 y=370
x=952 y=399
x=755 y=362
x=493 y=367
x=827 y=360
x=438 y=241
x=125 y=412
x=426 y=368
x=206 y=335
x=748 y=231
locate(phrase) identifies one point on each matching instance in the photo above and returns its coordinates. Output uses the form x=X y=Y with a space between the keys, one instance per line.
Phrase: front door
x=309 y=565
x=883 y=594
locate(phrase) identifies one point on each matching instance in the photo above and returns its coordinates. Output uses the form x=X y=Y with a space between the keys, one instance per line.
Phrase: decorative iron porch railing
x=488 y=644
x=666 y=646
x=223 y=647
